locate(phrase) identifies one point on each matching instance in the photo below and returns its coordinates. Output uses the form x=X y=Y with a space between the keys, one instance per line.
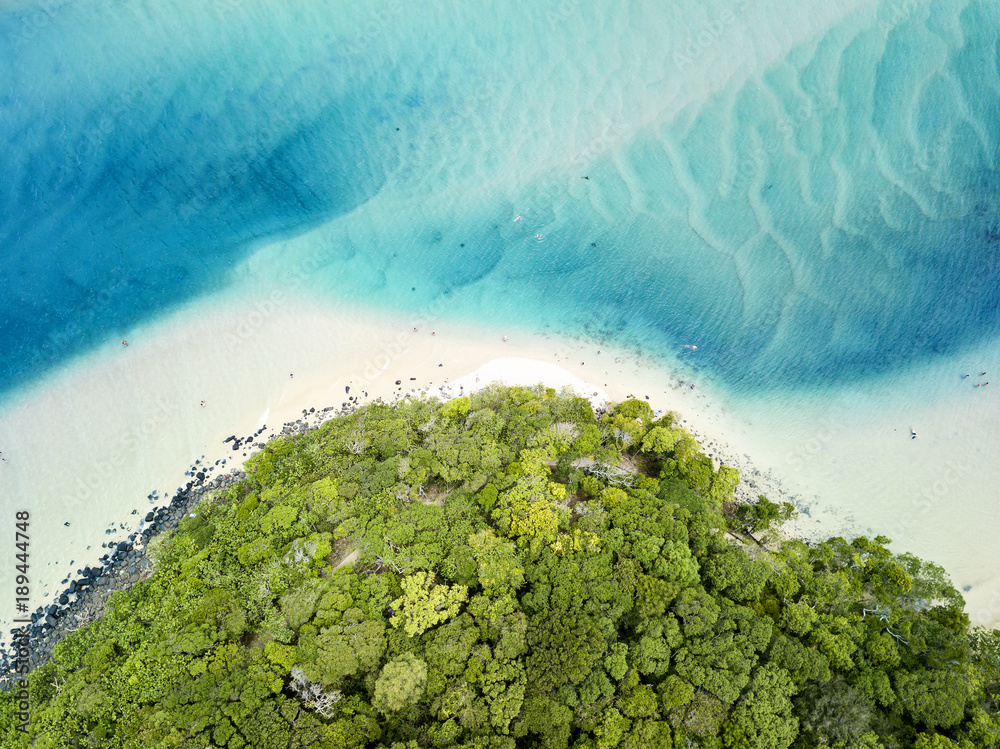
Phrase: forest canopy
x=526 y=573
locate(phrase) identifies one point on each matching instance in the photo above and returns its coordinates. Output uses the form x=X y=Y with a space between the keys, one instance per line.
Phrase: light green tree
x=497 y=560
x=401 y=683
x=424 y=603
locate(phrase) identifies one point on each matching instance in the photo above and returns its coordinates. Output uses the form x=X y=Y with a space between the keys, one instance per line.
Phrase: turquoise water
x=811 y=199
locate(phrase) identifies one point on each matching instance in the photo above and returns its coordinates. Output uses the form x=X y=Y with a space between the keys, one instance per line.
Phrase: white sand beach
x=86 y=446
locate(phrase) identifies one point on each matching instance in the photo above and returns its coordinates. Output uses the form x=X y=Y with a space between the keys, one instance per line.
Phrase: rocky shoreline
x=84 y=599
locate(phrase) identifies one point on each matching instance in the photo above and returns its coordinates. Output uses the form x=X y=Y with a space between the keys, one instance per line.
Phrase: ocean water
x=809 y=194
x=810 y=203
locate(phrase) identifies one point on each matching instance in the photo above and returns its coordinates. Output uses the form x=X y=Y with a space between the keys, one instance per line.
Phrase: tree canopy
x=529 y=574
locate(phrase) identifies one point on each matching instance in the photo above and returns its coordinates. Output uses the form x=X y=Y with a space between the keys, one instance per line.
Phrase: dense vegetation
x=529 y=574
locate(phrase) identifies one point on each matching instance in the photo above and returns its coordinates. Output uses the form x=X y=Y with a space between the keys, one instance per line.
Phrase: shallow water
x=811 y=204
x=808 y=195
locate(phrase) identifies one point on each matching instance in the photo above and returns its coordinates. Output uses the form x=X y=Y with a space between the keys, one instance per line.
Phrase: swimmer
x=517 y=218
x=693 y=348
x=124 y=343
x=505 y=337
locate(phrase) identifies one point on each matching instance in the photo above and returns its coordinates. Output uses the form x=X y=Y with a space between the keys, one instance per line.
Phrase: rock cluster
x=126 y=563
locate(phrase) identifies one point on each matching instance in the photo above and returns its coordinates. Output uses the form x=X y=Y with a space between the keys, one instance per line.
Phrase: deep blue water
x=820 y=215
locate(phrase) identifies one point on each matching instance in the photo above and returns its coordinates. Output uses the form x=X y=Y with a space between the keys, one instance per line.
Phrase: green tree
x=762 y=718
x=504 y=598
x=934 y=698
x=401 y=683
x=425 y=603
x=497 y=559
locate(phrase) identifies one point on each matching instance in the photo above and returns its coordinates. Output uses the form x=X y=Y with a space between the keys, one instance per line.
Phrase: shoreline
x=130 y=419
x=84 y=598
